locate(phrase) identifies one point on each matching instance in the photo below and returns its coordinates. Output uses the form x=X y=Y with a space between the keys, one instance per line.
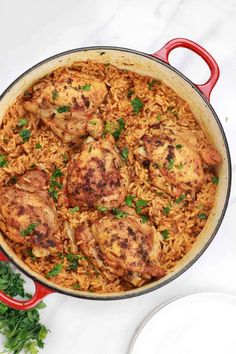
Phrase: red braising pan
x=197 y=96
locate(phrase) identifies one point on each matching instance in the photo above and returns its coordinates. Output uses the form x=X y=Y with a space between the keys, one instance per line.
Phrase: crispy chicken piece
x=66 y=102
x=28 y=215
x=97 y=176
x=128 y=248
x=210 y=156
x=175 y=165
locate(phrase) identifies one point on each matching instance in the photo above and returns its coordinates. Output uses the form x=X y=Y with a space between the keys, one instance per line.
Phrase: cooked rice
x=183 y=222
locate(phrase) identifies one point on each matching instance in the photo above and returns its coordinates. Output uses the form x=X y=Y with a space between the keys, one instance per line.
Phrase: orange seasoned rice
x=182 y=221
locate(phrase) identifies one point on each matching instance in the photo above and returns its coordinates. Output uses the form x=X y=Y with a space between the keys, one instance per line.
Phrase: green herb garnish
x=144 y=218
x=137 y=105
x=124 y=153
x=92 y=122
x=102 y=209
x=215 y=180
x=180 y=199
x=63 y=109
x=65 y=158
x=130 y=93
x=178 y=146
x=25 y=134
x=158 y=117
x=74 y=210
x=22 y=122
x=180 y=166
x=171 y=164
x=202 y=216
x=152 y=83
x=76 y=286
x=129 y=200
x=140 y=204
x=73 y=260
x=86 y=87
x=3 y=160
x=22 y=329
x=38 y=146
x=29 y=230
x=166 y=210
x=120 y=128
x=55 y=94
x=55 y=271
x=55 y=184
x=119 y=214
x=12 y=180
x=57 y=173
x=165 y=234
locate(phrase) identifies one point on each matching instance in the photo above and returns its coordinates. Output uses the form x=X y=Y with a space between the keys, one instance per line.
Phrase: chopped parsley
x=144 y=218
x=29 y=230
x=140 y=204
x=180 y=166
x=102 y=209
x=165 y=234
x=215 y=180
x=202 y=216
x=74 y=210
x=55 y=184
x=180 y=199
x=65 y=158
x=171 y=164
x=166 y=210
x=178 y=146
x=55 y=271
x=3 y=160
x=76 y=286
x=129 y=200
x=22 y=122
x=152 y=83
x=119 y=214
x=121 y=127
x=73 y=260
x=55 y=94
x=158 y=117
x=86 y=87
x=63 y=109
x=137 y=105
x=124 y=153
x=38 y=146
x=25 y=134
x=92 y=122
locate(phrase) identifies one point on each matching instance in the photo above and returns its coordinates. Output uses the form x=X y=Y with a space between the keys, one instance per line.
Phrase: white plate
x=196 y=324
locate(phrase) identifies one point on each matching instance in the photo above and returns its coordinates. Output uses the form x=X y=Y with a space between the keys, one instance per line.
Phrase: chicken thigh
x=97 y=176
x=129 y=248
x=66 y=103
x=28 y=215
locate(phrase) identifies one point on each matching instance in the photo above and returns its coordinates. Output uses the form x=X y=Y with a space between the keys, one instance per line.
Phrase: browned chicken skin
x=28 y=214
x=175 y=165
x=96 y=176
x=130 y=249
x=67 y=104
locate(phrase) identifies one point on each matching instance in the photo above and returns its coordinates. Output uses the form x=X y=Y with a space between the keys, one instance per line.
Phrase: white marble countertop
x=32 y=30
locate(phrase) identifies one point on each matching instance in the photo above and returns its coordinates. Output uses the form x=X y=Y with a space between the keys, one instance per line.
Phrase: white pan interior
x=205 y=116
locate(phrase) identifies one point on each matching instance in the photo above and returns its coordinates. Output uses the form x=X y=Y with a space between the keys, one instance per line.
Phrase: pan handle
x=40 y=292
x=164 y=52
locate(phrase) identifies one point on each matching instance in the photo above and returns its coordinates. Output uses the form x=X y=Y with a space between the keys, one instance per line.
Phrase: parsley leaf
x=102 y=209
x=137 y=105
x=158 y=117
x=63 y=109
x=171 y=164
x=152 y=83
x=129 y=200
x=166 y=210
x=57 y=173
x=86 y=87
x=144 y=218
x=74 y=210
x=3 y=160
x=178 y=146
x=22 y=122
x=119 y=213
x=38 y=146
x=55 y=271
x=124 y=153
x=180 y=199
x=55 y=184
x=202 y=216
x=215 y=180
x=29 y=230
x=140 y=204
x=120 y=128
x=25 y=134
x=165 y=234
